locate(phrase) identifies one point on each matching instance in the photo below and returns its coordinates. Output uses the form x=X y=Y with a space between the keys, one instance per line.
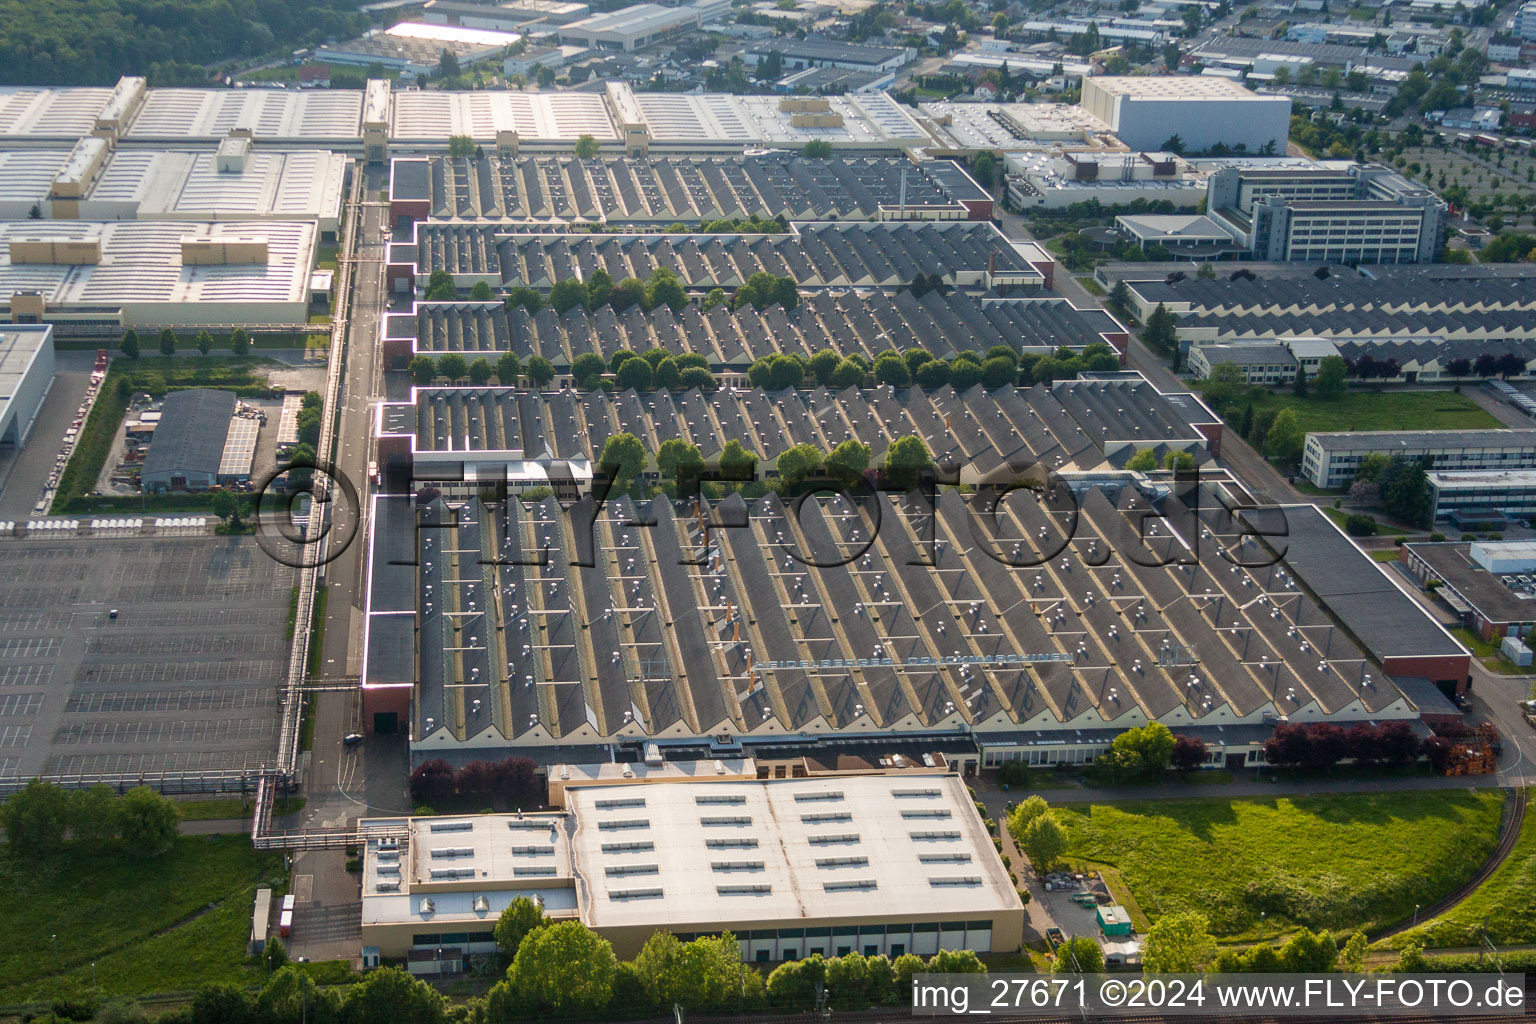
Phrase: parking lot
x=184 y=679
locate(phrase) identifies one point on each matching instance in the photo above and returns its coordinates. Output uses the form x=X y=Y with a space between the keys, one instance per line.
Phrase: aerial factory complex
x=536 y=477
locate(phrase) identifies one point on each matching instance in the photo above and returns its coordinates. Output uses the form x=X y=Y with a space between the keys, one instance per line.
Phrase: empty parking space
x=185 y=677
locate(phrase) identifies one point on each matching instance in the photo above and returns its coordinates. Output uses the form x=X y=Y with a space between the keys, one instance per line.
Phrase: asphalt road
x=341 y=785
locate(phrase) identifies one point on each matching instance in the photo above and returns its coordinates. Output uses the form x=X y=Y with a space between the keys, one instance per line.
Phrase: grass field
x=161 y=925
x=1504 y=900
x=1340 y=862
x=1383 y=410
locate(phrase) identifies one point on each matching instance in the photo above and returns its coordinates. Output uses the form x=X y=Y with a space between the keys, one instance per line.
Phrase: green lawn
x=1504 y=900
x=160 y=925
x=1383 y=529
x=1340 y=862
x=1382 y=410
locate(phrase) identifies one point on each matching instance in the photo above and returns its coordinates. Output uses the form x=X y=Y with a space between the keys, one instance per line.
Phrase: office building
x=1146 y=111
x=1348 y=213
x=886 y=864
x=1329 y=459
x=1483 y=499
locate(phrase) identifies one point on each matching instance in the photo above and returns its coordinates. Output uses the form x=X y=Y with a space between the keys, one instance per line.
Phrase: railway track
x=1509 y=834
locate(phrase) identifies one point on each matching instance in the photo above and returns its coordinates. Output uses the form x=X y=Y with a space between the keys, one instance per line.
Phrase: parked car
x=352 y=740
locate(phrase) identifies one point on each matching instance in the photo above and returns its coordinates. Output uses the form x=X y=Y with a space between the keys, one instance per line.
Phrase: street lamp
x=1415 y=915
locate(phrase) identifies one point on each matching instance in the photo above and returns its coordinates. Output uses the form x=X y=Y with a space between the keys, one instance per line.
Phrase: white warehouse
x=1145 y=112
x=26 y=373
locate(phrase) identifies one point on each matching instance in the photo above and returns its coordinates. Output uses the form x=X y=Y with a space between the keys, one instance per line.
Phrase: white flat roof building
x=40 y=112
x=876 y=864
x=91 y=182
x=1013 y=126
x=630 y=27
x=424 y=117
x=154 y=273
x=26 y=373
x=722 y=121
x=1145 y=111
x=314 y=117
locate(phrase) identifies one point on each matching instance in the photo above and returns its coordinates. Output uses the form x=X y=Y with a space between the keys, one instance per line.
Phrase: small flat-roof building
x=881 y=864
x=26 y=374
x=830 y=53
x=1489 y=586
x=187 y=453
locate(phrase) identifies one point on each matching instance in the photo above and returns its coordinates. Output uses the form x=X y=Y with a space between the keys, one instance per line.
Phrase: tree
x=129 y=346
x=1309 y=952
x=1352 y=956
x=1027 y=811
x=636 y=374
x=447 y=64
x=817 y=149
x=679 y=461
x=736 y=463
x=586 y=147
x=906 y=461
x=848 y=461
x=540 y=370
x=35 y=818
x=545 y=76
x=1143 y=751
x=565 y=967
x=964 y=373
x=663 y=289
x=956 y=961
x=696 y=377
x=520 y=918
x=797 y=463
x=1173 y=144
x=1179 y=462
x=666 y=374
x=587 y=370
x=440 y=287
x=567 y=294
x=984 y=167
x=1144 y=461
x=1299 y=388
x=453 y=366
x=461 y=146
x=1161 y=333
x=1331 y=378
x=167 y=342
x=713 y=298
x=481 y=292
x=204 y=342
x=148 y=822
x=422 y=370
x=1043 y=841
x=239 y=342
x=890 y=369
x=626 y=294
x=508 y=368
x=700 y=975
x=93 y=814
x=821 y=365
x=1188 y=753
x=622 y=459
x=1178 y=943
x=481 y=372
x=1223 y=384
x=1405 y=492
x=227 y=507
x=388 y=993
x=1080 y=954
x=220 y=1003
x=998 y=372
x=786 y=293
x=291 y=996
x=1284 y=439
x=525 y=297
x=846 y=374
x=1119 y=301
